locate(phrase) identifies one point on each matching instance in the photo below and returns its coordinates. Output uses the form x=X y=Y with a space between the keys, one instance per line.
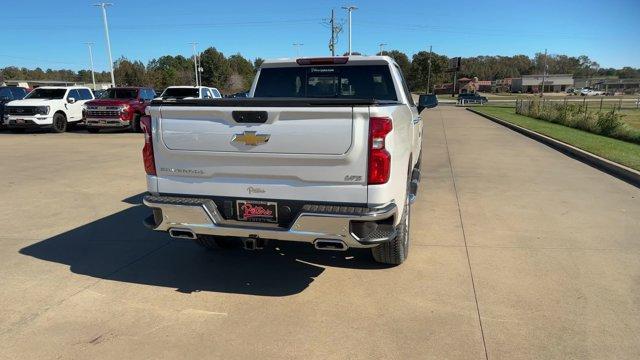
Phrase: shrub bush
x=606 y=123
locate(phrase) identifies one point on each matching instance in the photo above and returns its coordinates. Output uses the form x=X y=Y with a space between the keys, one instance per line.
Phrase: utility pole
x=93 y=77
x=106 y=34
x=455 y=80
x=195 y=62
x=332 y=45
x=335 y=30
x=429 y=73
x=297 y=46
x=382 y=48
x=350 y=9
x=544 y=73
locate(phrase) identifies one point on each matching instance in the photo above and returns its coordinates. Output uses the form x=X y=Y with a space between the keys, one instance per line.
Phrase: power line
x=473 y=31
x=39 y=60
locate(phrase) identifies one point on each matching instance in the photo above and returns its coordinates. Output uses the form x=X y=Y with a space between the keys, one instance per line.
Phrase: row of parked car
x=63 y=107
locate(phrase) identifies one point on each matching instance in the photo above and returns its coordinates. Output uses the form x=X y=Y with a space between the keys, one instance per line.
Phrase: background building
x=501 y=85
x=532 y=83
x=611 y=84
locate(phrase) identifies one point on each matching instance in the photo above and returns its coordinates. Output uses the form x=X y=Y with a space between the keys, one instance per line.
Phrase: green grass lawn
x=618 y=151
x=631 y=117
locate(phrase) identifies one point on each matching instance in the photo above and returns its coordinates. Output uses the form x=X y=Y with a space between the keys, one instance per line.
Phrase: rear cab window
x=180 y=93
x=337 y=82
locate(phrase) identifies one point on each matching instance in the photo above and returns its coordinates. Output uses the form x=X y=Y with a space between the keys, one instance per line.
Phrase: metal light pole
x=195 y=62
x=297 y=46
x=382 y=48
x=93 y=77
x=106 y=33
x=350 y=9
x=429 y=73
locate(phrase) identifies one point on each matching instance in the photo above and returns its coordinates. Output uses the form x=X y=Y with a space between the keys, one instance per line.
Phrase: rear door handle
x=417 y=120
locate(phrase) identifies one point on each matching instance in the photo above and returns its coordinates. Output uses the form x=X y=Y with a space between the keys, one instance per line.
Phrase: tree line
x=235 y=73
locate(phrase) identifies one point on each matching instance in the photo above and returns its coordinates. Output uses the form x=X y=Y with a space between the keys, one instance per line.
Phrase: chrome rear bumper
x=201 y=216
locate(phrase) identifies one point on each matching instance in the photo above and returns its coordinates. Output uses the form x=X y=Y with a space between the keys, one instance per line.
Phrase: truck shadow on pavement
x=119 y=248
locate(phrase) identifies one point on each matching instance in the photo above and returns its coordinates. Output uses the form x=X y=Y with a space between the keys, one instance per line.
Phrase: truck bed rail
x=272 y=102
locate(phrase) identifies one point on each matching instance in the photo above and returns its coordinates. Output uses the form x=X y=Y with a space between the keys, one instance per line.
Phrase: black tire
x=17 y=130
x=59 y=123
x=93 y=130
x=212 y=242
x=396 y=251
x=135 y=124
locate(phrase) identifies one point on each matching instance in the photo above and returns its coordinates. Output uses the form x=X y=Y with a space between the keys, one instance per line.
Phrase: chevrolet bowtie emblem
x=250 y=138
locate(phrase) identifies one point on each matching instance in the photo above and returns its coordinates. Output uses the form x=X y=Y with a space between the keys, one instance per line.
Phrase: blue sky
x=51 y=34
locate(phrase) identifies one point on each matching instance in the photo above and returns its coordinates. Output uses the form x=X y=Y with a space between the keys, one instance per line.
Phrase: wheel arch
x=60 y=111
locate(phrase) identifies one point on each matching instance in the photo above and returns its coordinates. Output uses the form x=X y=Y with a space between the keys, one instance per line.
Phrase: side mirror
x=71 y=100
x=427 y=101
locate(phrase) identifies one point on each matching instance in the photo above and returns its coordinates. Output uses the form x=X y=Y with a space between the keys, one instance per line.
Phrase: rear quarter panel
x=399 y=144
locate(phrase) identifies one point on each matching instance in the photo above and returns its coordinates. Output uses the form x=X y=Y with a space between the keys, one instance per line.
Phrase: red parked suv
x=119 y=107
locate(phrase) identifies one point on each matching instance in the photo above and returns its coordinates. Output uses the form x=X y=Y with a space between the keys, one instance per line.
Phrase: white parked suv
x=591 y=92
x=325 y=151
x=54 y=107
x=190 y=92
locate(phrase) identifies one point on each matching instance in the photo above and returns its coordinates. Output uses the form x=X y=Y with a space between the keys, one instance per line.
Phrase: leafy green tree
x=244 y=69
x=129 y=73
x=216 y=69
x=419 y=71
x=257 y=63
x=400 y=58
x=170 y=70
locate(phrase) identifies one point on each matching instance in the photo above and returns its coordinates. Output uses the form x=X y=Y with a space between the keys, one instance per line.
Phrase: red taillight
x=322 y=61
x=379 y=157
x=147 y=150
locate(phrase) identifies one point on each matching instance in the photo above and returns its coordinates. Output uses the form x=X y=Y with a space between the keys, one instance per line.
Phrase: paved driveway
x=518 y=252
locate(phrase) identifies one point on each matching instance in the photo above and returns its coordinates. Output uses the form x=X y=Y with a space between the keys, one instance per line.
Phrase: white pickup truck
x=324 y=151
x=55 y=107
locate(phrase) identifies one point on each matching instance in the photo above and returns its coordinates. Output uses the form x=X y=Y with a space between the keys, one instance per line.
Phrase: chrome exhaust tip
x=182 y=234
x=330 y=245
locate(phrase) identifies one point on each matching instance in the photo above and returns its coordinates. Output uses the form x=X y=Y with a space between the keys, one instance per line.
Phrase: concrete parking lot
x=518 y=252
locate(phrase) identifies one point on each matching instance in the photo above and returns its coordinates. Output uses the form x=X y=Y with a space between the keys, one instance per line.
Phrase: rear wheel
x=396 y=251
x=59 y=123
x=213 y=242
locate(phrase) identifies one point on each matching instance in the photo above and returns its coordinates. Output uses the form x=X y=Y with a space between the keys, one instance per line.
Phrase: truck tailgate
x=291 y=131
x=297 y=153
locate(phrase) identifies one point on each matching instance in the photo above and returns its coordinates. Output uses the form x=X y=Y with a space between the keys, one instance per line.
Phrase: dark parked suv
x=9 y=93
x=471 y=98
